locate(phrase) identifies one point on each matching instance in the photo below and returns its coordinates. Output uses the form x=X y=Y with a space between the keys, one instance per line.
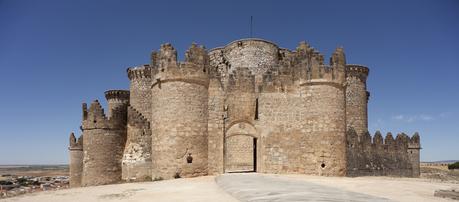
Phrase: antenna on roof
x=251 y=25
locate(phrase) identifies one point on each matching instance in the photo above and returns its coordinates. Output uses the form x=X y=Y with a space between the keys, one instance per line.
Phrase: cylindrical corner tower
x=136 y=164
x=357 y=98
x=179 y=115
x=140 y=89
x=76 y=160
x=118 y=100
x=327 y=127
x=324 y=92
x=104 y=140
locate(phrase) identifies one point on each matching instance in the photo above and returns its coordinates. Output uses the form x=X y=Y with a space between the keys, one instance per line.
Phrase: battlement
x=74 y=143
x=95 y=118
x=121 y=95
x=195 y=68
x=358 y=71
x=139 y=72
x=402 y=141
x=316 y=72
x=137 y=119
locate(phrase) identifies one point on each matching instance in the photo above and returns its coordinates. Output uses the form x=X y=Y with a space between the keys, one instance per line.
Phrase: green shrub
x=453 y=166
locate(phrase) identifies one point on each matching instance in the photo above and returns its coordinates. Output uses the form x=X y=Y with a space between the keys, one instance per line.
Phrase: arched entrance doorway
x=240 y=148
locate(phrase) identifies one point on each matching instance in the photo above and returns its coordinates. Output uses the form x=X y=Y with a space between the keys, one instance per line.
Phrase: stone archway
x=240 y=150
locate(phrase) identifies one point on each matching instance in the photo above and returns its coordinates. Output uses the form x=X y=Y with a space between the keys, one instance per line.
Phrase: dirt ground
x=206 y=189
x=186 y=189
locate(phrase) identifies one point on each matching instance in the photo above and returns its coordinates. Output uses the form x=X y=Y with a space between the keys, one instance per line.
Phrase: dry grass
x=37 y=171
x=440 y=174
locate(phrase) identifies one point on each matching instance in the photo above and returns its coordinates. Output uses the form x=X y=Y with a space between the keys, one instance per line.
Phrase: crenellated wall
x=303 y=103
x=136 y=162
x=367 y=156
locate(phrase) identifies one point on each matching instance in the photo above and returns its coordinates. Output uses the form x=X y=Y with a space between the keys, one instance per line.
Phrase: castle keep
x=247 y=106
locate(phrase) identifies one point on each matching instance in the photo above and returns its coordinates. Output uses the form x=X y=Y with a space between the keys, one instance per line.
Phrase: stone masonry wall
x=216 y=107
x=179 y=122
x=367 y=157
x=136 y=163
x=302 y=130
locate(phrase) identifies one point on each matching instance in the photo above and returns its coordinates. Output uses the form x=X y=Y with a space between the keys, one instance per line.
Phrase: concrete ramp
x=259 y=187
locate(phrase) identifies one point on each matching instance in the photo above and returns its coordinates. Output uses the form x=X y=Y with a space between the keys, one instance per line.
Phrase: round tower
x=76 y=160
x=118 y=100
x=179 y=114
x=136 y=165
x=258 y=55
x=357 y=98
x=324 y=94
x=104 y=140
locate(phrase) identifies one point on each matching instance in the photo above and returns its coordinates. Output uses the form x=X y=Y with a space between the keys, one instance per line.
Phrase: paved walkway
x=259 y=187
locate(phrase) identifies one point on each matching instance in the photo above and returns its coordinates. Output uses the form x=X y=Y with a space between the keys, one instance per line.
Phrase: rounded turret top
x=139 y=72
x=117 y=94
x=357 y=68
x=258 y=55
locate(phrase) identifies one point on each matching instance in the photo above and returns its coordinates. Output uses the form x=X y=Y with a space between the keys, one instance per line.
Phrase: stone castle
x=249 y=106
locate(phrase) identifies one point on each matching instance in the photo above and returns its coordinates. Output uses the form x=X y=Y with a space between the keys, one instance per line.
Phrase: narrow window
x=256 y=109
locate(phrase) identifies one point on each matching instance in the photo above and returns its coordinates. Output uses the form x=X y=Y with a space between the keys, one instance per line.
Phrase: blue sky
x=54 y=55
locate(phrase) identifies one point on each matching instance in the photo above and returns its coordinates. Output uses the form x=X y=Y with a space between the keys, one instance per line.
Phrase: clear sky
x=54 y=55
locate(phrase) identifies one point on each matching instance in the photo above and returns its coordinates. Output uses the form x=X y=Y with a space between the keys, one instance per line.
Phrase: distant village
x=22 y=179
x=12 y=185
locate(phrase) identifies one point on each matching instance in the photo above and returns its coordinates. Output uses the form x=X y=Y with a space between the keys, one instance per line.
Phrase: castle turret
x=137 y=154
x=76 y=160
x=324 y=92
x=357 y=98
x=104 y=140
x=179 y=114
x=118 y=100
x=414 y=147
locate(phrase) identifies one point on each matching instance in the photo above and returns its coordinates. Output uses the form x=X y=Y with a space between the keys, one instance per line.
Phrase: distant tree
x=23 y=181
x=2 y=182
x=453 y=166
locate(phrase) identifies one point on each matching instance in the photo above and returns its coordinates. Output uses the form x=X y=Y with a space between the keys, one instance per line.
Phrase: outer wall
x=302 y=130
